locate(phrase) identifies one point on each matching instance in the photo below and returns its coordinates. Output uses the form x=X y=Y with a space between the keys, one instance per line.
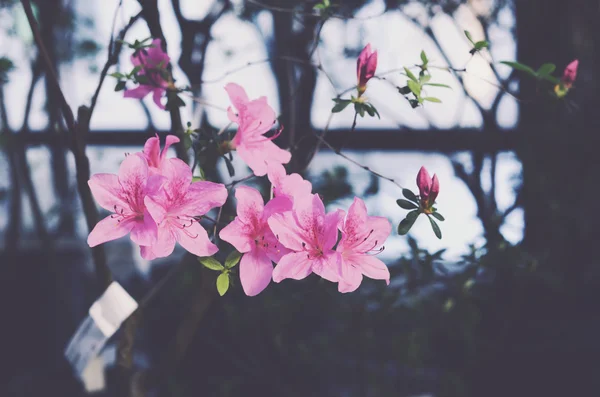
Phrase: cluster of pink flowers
x=294 y=231
x=154 y=200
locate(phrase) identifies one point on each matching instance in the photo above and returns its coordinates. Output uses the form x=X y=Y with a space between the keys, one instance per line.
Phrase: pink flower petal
x=157 y=94
x=237 y=95
x=165 y=241
x=328 y=266
x=237 y=234
x=250 y=206
x=256 y=270
x=286 y=230
x=424 y=183
x=294 y=265
x=138 y=92
x=109 y=229
x=203 y=196
x=195 y=240
x=106 y=190
x=350 y=279
x=372 y=267
x=144 y=231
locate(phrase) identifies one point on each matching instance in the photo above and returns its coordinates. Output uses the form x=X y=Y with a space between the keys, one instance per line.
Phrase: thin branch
x=78 y=147
x=114 y=49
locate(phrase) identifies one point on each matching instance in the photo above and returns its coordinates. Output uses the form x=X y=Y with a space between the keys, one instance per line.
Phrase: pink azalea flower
x=255 y=118
x=310 y=234
x=366 y=64
x=124 y=195
x=362 y=237
x=250 y=234
x=288 y=186
x=175 y=209
x=152 y=60
x=429 y=189
x=157 y=159
x=570 y=74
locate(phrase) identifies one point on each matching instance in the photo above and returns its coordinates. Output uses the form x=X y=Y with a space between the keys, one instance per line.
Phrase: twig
x=78 y=148
x=113 y=57
x=350 y=159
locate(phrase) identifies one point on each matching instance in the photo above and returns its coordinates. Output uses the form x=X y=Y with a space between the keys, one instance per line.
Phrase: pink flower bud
x=366 y=64
x=429 y=188
x=570 y=74
x=435 y=189
x=424 y=183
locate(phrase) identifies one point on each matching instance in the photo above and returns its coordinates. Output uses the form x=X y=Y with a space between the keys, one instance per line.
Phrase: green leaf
x=359 y=108
x=210 y=263
x=141 y=79
x=232 y=259
x=435 y=227
x=374 y=111
x=407 y=205
x=551 y=79
x=481 y=45
x=408 y=222
x=415 y=88
x=370 y=111
x=438 y=216
x=468 y=34
x=223 y=283
x=521 y=67
x=117 y=75
x=432 y=99
x=424 y=58
x=424 y=78
x=120 y=86
x=230 y=168
x=340 y=105
x=546 y=69
x=410 y=75
x=410 y=195
x=437 y=85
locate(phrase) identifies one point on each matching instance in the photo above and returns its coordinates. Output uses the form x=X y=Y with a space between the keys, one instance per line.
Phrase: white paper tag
x=105 y=317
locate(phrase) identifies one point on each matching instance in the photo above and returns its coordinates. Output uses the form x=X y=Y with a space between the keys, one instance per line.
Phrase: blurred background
x=503 y=305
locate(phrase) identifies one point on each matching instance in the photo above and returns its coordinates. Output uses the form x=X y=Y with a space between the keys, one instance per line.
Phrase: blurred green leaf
x=340 y=104
x=232 y=259
x=410 y=75
x=120 y=86
x=437 y=85
x=211 y=263
x=438 y=216
x=432 y=99
x=546 y=69
x=481 y=45
x=223 y=283
x=407 y=205
x=435 y=227
x=408 y=222
x=415 y=88
x=468 y=34
x=424 y=57
x=410 y=195
x=521 y=67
